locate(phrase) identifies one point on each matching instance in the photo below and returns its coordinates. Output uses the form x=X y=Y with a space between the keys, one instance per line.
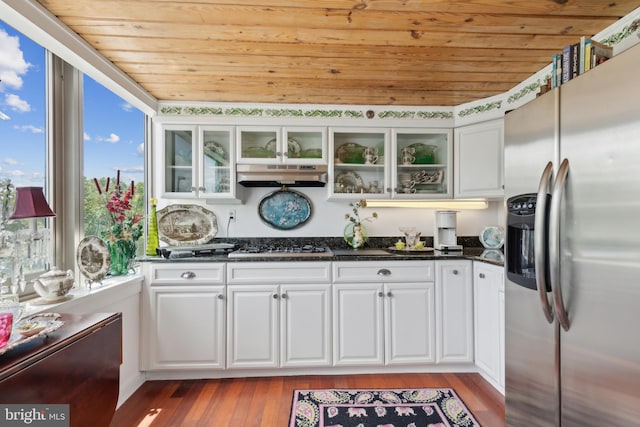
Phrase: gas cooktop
x=281 y=251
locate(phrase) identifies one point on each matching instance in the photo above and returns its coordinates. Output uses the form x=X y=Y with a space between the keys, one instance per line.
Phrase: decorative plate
x=492 y=237
x=20 y=334
x=93 y=258
x=350 y=153
x=285 y=209
x=214 y=151
x=293 y=149
x=348 y=181
x=186 y=225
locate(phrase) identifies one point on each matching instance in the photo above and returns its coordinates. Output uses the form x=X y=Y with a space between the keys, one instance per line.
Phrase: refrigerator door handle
x=539 y=239
x=554 y=243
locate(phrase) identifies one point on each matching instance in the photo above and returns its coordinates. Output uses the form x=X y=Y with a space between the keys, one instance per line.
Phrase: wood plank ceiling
x=365 y=52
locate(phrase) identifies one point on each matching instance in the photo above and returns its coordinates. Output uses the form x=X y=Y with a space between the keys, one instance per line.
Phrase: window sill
x=112 y=289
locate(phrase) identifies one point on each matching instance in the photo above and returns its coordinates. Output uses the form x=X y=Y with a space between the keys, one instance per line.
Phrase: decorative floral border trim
x=481 y=108
x=292 y=112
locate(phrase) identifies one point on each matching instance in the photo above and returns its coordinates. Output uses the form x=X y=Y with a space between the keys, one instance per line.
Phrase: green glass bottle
x=152 y=233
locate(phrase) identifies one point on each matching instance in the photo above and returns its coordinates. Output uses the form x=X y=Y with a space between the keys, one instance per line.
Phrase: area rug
x=422 y=407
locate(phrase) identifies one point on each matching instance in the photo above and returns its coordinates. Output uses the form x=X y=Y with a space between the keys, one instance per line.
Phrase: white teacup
x=408 y=160
x=370 y=159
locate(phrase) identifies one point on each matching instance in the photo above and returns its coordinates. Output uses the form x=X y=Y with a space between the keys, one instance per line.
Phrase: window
x=113 y=142
x=23 y=139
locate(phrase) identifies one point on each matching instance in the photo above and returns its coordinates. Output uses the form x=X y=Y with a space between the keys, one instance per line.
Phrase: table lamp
x=31 y=204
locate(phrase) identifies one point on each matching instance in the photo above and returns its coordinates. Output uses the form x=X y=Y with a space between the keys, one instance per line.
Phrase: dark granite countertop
x=342 y=253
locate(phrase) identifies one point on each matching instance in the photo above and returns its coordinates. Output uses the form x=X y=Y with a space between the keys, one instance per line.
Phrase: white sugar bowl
x=54 y=284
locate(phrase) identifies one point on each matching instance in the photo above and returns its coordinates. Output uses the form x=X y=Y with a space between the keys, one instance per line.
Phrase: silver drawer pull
x=481 y=275
x=220 y=296
x=384 y=272
x=188 y=275
x=381 y=294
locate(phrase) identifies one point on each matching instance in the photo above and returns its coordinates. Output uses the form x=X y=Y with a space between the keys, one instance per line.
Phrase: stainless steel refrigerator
x=572 y=308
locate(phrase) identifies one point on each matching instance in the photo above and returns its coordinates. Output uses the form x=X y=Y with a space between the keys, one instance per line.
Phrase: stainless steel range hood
x=279 y=175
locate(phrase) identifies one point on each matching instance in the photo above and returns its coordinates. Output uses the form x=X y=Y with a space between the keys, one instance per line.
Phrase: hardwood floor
x=266 y=401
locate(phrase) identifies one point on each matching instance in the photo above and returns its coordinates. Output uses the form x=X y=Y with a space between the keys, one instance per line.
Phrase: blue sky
x=113 y=129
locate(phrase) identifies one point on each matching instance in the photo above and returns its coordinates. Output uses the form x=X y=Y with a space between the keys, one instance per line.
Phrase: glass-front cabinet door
x=295 y=145
x=421 y=165
x=198 y=162
x=259 y=145
x=358 y=167
x=305 y=145
x=179 y=169
x=216 y=165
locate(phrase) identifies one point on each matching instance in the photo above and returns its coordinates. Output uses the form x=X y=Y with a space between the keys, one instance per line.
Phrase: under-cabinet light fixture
x=429 y=204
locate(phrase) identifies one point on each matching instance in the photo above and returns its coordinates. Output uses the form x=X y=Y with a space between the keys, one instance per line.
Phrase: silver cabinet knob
x=455 y=271
x=381 y=294
x=220 y=296
x=275 y=296
x=283 y=296
x=481 y=275
x=384 y=272
x=188 y=275
x=389 y=294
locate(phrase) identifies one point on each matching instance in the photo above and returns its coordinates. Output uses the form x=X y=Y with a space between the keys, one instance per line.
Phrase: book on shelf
x=566 y=64
x=587 y=54
x=578 y=58
x=599 y=53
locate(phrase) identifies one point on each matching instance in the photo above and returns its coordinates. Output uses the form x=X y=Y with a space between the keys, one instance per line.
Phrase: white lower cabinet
x=377 y=321
x=281 y=324
x=489 y=321
x=454 y=302
x=186 y=305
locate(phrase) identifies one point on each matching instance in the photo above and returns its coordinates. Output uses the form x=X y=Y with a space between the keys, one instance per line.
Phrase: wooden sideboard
x=78 y=364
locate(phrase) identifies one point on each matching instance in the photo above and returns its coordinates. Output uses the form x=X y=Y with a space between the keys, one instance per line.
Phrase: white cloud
x=12 y=63
x=132 y=169
x=10 y=161
x=29 y=128
x=16 y=103
x=86 y=137
x=127 y=107
x=140 y=150
x=113 y=138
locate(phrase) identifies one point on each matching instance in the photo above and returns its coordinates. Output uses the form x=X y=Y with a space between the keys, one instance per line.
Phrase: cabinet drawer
x=188 y=273
x=383 y=271
x=279 y=272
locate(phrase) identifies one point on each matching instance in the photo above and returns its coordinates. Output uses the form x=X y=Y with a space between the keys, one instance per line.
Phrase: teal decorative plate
x=285 y=209
x=492 y=237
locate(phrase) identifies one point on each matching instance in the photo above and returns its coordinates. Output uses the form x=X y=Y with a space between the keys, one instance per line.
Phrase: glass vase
x=153 y=241
x=355 y=234
x=121 y=252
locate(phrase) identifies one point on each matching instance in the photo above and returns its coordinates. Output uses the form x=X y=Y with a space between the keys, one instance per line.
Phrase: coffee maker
x=444 y=237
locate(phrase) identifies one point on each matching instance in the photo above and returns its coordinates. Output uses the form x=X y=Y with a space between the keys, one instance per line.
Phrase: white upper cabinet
x=275 y=145
x=390 y=163
x=359 y=165
x=479 y=164
x=421 y=163
x=197 y=161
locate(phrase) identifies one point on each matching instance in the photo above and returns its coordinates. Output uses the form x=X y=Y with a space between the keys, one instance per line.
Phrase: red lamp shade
x=30 y=203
